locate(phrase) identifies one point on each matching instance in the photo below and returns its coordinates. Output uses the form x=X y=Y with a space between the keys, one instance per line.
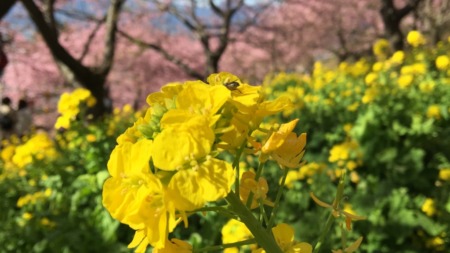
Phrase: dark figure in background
x=24 y=118
x=3 y=57
x=7 y=119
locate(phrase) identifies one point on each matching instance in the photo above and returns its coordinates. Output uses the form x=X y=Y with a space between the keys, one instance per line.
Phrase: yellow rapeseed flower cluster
x=166 y=165
x=40 y=146
x=69 y=106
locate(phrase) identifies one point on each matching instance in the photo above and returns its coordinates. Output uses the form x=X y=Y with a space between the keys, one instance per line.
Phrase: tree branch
x=48 y=11
x=112 y=19
x=57 y=51
x=89 y=40
x=190 y=71
x=5 y=6
x=411 y=6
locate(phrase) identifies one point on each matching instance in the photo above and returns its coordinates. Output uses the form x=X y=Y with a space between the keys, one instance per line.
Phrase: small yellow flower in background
x=353 y=107
x=344 y=151
x=91 y=138
x=62 y=122
x=347 y=128
x=351 y=165
x=444 y=174
x=7 y=152
x=69 y=106
x=429 y=207
x=381 y=48
x=434 y=112
x=234 y=231
x=310 y=169
x=46 y=222
x=442 y=62
x=354 y=177
x=284 y=236
x=369 y=95
x=405 y=81
x=427 y=86
x=32 y=182
x=377 y=66
x=91 y=101
x=371 y=78
x=398 y=57
x=27 y=216
x=291 y=177
x=436 y=243
x=419 y=68
x=415 y=38
x=40 y=146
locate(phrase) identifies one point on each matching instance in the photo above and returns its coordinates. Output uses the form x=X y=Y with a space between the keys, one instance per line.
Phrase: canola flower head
x=434 y=112
x=444 y=174
x=381 y=48
x=442 y=62
x=429 y=207
x=415 y=38
x=168 y=164
x=39 y=146
x=69 y=106
x=398 y=57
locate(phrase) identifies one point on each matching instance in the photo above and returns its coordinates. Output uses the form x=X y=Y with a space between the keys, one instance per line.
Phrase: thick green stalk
x=264 y=239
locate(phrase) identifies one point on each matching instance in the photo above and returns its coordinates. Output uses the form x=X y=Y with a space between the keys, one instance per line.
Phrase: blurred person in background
x=7 y=119
x=24 y=118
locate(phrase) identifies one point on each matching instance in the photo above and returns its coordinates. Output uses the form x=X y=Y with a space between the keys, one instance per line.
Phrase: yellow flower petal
x=277 y=138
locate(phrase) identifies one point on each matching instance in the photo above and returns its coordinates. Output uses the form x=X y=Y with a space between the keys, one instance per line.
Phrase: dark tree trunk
x=72 y=69
x=392 y=18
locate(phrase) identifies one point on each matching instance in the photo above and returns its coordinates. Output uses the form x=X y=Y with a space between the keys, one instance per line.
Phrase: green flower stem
x=236 y=166
x=277 y=200
x=330 y=220
x=319 y=243
x=226 y=245
x=264 y=239
x=257 y=176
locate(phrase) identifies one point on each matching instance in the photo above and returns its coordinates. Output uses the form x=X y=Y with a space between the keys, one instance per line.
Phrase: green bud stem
x=331 y=218
x=277 y=199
